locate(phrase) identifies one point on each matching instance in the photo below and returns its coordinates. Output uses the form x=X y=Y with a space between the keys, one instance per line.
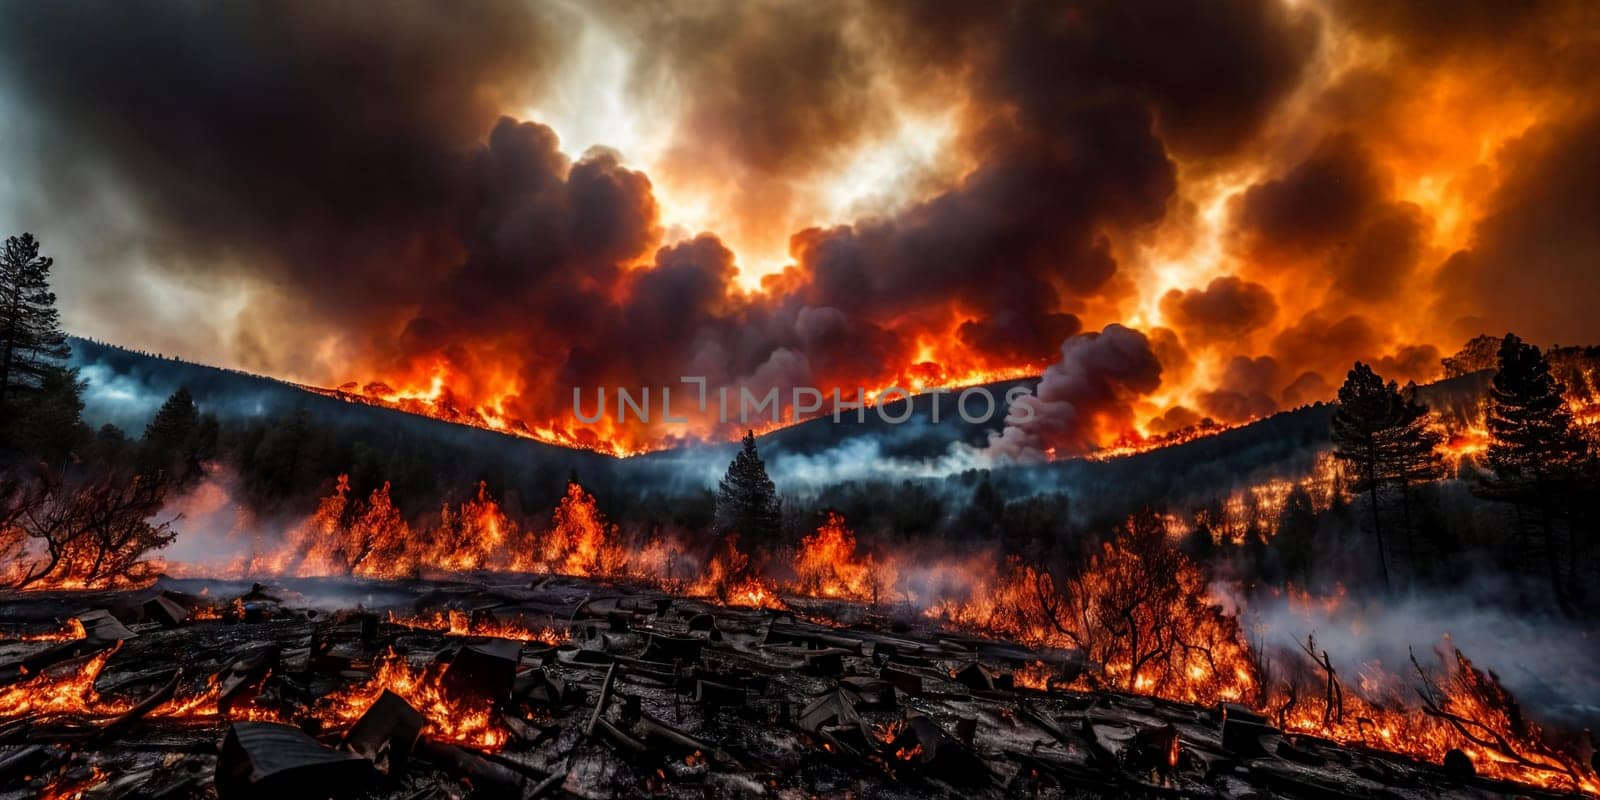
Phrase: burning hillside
x=1062 y=399
x=918 y=210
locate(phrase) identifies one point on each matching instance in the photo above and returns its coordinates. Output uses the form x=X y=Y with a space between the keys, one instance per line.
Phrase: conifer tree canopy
x=31 y=340
x=747 y=501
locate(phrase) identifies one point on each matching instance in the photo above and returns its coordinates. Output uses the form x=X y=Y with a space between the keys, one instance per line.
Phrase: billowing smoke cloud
x=1227 y=309
x=335 y=192
x=1090 y=391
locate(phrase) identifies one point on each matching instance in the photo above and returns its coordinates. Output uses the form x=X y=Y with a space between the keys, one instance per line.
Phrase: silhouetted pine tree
x=1414 y=458
x=1384 y=437
x=175 y=440
x=747 y=501
x=39 y=397
x=1367 y=411
x=1534 y=453
x=48 y=423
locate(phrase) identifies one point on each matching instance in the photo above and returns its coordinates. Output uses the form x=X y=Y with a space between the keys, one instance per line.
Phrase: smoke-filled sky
x=520 y=198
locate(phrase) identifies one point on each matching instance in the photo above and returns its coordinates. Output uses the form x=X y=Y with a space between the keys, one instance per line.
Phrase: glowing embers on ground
x=461 y=623
x=71 y=630
x=68 y=688
x=453 y=716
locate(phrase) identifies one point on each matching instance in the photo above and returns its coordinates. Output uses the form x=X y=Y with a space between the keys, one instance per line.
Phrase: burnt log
x=671 y=648
x=907 y=682
x=1458 y=765
x=242 y=679
x=115 y=727
x=718 y=695
x=163 y=610
x=539 y=688
x=870 y=693
x=100 y=626
x=483 y=671
x=923 y=746
x=386 y=733
x=489 y=779
x=270 y=761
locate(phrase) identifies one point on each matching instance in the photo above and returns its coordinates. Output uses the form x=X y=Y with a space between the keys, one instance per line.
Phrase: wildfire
x=460 y=623
x=431 y=395
x=69 y=688
x=1134 y=442
x=1464 y=443
x=731 y=578
x=346 y=536
x=451 y=717
x=1463 y=708
x=68 y=787
x=62 y=689
x=827 y=565
x=71 y=630
x=1034 y=675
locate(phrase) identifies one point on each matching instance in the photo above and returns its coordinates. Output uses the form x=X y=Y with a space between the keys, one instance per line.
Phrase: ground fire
x=1136 y=619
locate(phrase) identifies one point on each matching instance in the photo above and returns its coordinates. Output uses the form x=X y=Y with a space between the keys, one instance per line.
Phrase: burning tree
x=347 y=537
x=1139 y=608
x=93 y=532
x=827 y=565
x=1477 y=355
x=581 y=541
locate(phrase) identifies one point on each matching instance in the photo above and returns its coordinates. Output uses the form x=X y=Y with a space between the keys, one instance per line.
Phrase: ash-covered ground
x=519 y=686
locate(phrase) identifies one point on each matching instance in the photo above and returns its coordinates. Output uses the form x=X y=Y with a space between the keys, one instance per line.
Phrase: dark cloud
x=355 y=167
x=1228 y=308
x=1531 y=268
x=318 y=145
x=771 y=89
x=1247 y=389
x=1332 y=215
x=1325 y=344
x=1317 y=204
x=1210 y=74
x=1417 y=363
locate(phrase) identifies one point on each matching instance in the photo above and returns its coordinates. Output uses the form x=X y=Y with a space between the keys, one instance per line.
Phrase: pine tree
x=747 y=501
x=1414 y=458
x=172 y=441
x=1384 y=436
x=1367 y=410
x=50 y=425
x=31 y=340
x=1534 y=451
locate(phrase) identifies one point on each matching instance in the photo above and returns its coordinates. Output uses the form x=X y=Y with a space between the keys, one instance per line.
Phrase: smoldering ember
x=1072 y=399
